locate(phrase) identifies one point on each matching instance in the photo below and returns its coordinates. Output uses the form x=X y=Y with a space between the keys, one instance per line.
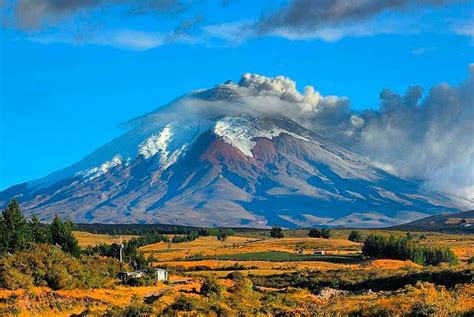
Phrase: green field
x=278 y=256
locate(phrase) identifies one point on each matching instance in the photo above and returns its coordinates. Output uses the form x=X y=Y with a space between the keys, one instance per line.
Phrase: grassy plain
x=285 y=277
x=86 y=239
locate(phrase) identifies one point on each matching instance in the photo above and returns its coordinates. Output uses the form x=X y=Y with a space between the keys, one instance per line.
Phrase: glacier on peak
x=241 y=132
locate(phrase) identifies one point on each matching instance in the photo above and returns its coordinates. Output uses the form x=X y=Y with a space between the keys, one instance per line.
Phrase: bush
x=211 y=287
x=276 y=232
x=325 y=233
x=182 y=304
x=355 y=236
x=421 y=309
x=46 y=265
x=314 y=233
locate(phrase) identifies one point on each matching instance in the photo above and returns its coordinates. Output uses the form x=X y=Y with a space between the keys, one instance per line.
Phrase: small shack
x=126 y=276
x=161 y=275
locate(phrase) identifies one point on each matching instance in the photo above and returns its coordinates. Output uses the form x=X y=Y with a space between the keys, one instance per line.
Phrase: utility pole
x=121 y=255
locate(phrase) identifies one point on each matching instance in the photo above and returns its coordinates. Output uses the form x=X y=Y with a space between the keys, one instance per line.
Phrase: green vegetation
x=48 y=265
x=193 y=235
x=276 y=232
x=355 y=236
x=223 y=234
x=61 y=234
x=16 y=234
x=314 y=233
x=326 y=233
x=378 y=246
x=319 y=233
x=211 y=287
x=278 y=256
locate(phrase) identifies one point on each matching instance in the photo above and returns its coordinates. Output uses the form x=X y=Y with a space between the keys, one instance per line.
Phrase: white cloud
x=465 y=28
x=134 y=40
x=423 y=50
x=123 y=39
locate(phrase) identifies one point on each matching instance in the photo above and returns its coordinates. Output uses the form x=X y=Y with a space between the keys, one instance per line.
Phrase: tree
x=61 y=234
x=314 y=233
x=222 y=235
x=325 y=233
x=378 y=246
x=355 y=236
x=14 y=231
x=39 y=231
x=276 y=232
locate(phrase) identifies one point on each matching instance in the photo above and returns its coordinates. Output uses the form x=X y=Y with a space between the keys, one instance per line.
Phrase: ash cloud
x=430 y=138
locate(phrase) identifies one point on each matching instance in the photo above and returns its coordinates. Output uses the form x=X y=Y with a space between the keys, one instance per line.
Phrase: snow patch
x=103 y=168
x=240 y=132
x=156 y=143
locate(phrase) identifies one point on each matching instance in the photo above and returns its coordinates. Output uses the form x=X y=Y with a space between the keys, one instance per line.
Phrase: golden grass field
x=191 y=262
x=90 y=239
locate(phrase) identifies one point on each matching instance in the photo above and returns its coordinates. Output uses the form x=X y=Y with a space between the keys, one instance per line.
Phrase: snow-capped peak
x=240 y=132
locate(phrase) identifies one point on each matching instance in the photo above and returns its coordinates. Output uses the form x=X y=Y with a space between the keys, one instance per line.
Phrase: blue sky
x=71 y=75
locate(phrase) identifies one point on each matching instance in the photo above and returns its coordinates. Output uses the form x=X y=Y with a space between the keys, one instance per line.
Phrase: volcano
x=211 y=159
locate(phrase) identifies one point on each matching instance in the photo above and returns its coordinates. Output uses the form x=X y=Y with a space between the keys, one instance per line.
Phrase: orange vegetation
x=392 y=264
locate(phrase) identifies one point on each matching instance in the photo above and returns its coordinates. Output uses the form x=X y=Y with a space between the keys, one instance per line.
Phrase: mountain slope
x=445 y=222
x=198 y=161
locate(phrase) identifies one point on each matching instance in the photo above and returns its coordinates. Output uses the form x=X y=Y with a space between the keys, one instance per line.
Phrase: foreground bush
x=46 y=265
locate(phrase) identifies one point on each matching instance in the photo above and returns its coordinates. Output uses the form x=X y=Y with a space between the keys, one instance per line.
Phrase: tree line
x=378 y=246
x=17 y=234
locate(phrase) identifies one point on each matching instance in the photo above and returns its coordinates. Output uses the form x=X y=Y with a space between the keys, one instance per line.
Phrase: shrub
x=421 y=309
x=211 y=287
x=182 y=303
x=46 y=265
x=355 y=236
x=325 y=233
x=276 y=232
x=314 y=233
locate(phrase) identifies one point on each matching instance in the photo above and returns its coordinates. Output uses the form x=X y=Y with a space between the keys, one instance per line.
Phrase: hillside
x=445 y=222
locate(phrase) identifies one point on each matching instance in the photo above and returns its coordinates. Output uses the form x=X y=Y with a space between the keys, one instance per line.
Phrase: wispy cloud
x=238 y=32
x=465 y=28
x=423 y=50
x=122 y=39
